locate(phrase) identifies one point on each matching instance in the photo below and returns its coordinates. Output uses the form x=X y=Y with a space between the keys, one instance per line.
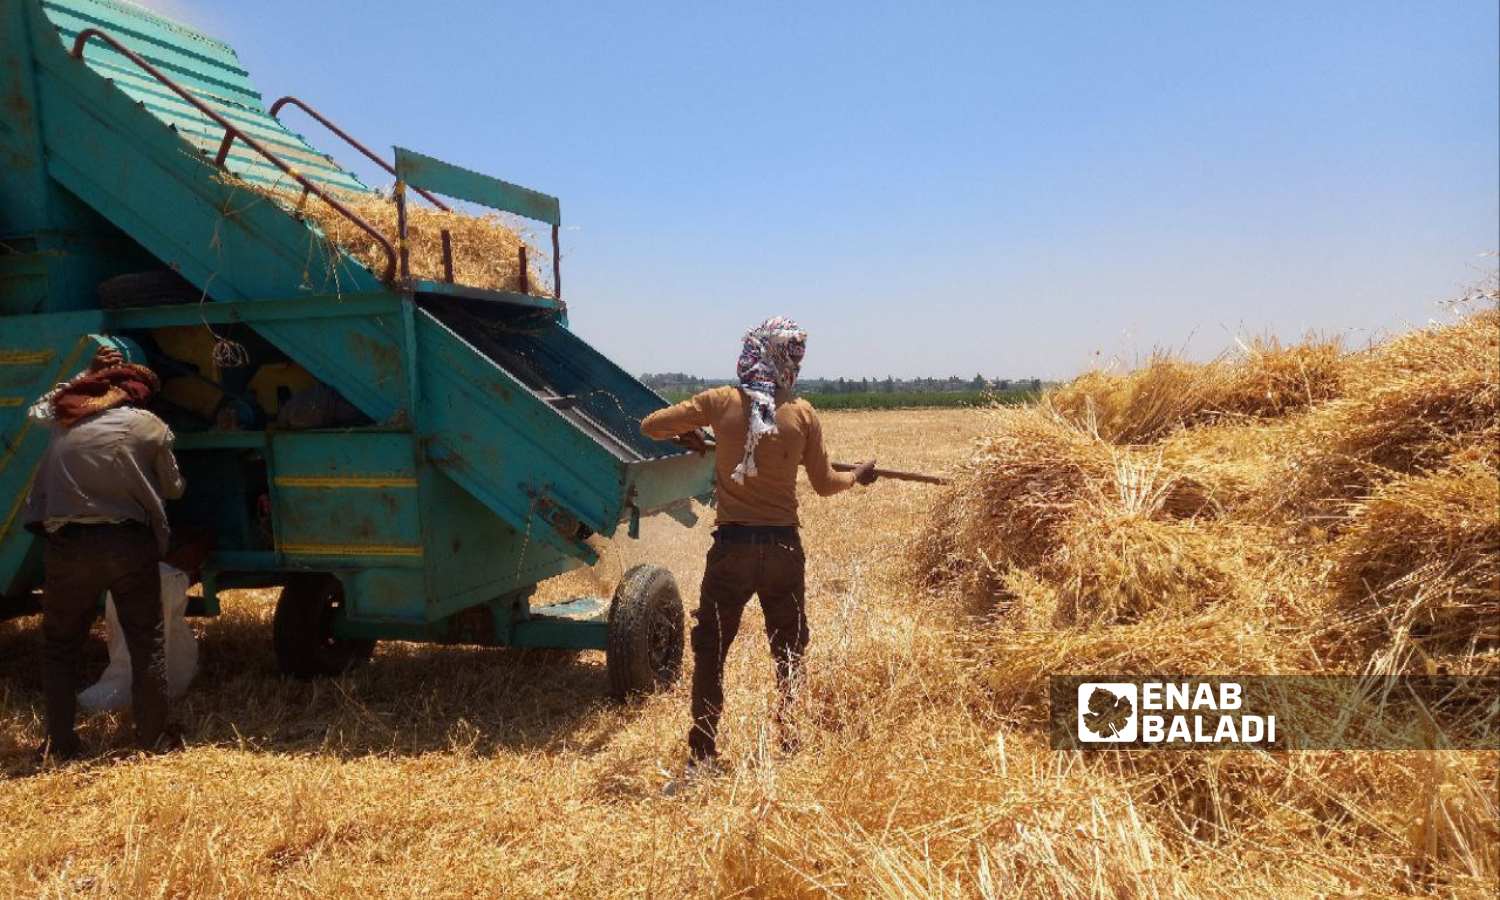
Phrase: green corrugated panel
x=206 y=135
x=184 y=54
x=207 y=68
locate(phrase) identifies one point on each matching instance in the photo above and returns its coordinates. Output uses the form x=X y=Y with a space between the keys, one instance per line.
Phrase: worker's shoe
x=59 y=752
x=169 y=741
x=698 y=771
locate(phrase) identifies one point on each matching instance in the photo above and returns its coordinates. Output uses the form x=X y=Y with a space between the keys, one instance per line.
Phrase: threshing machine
x=462 y=444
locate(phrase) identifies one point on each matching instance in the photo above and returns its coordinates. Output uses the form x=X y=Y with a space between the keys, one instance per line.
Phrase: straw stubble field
x=460 y=772
x=1291 y=509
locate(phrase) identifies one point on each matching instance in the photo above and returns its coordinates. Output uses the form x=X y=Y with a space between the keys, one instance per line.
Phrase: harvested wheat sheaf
x=1264 y=379
x=1374 y=488
x=1292 y=510
x=1410 y=406
x=1424 y=552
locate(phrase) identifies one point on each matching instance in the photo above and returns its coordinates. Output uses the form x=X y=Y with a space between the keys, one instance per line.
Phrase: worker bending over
x=763 y=434
x=98 y=499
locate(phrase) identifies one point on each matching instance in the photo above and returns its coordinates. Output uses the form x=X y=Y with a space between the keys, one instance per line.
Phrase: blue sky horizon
x=935 y=190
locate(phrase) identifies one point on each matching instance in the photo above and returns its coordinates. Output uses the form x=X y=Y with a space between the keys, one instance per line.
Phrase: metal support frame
x=275 y=309
x=556 y=266
x=405 y=247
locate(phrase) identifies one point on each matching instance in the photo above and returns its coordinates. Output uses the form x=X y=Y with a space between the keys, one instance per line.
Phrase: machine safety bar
x=349 y=139
x=231 y=132
x=419 y=170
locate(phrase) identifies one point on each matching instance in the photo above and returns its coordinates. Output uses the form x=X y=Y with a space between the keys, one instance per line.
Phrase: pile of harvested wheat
x=1361 y=486
x=1295 y=509
x=1265 y=380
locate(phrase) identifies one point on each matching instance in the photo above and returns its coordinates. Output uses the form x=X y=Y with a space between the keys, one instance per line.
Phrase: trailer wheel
x=303 y=629
x=644 y=649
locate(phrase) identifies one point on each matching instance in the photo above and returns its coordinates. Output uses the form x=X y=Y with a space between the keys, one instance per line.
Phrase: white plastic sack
x=112 y=690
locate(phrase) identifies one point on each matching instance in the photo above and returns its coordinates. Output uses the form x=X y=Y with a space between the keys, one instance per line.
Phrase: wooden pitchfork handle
x=894 y=474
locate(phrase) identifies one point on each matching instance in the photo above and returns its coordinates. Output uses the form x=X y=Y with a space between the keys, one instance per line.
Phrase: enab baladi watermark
x=1275 y=713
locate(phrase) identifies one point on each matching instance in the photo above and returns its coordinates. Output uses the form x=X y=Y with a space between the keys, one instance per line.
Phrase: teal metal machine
x=481 y=442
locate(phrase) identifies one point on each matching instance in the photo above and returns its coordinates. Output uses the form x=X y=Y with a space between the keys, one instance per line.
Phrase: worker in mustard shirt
x=763 y=435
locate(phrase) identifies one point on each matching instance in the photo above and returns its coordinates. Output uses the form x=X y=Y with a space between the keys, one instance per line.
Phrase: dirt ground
x=458 y=772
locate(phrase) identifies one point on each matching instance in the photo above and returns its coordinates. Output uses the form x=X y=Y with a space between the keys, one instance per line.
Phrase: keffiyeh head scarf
x=126 y=385
x=769 y=362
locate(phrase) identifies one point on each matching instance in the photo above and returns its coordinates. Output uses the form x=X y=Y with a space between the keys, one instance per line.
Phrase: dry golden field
x=459 y=772
x=1180 y=518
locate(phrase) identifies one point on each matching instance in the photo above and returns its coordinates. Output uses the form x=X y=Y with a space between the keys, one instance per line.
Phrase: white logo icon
x=1107 y=712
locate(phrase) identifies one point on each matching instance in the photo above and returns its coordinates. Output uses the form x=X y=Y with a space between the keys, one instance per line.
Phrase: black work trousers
x=84 y=561
x=772 y=567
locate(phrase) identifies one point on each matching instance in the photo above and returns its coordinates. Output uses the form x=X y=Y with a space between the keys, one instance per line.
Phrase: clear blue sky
x=937 y=188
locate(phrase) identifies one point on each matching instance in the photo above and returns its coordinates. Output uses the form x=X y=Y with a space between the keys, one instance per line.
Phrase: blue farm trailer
x=465 y=443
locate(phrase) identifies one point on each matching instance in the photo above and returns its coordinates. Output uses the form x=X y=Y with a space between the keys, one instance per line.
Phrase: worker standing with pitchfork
x=763 y=435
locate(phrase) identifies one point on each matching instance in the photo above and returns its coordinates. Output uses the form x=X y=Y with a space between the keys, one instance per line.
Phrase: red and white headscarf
x=770 y=361
x=124 y=385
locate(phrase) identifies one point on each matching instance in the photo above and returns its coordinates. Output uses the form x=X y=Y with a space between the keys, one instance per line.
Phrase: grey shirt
x=116 y=465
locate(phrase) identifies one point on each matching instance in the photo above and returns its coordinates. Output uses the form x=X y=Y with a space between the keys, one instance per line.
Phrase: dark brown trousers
x=84 y=561
x=771 y=568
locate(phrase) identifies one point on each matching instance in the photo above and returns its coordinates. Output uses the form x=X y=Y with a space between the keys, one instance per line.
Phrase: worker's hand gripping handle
x=697 y=440
x=893 y=474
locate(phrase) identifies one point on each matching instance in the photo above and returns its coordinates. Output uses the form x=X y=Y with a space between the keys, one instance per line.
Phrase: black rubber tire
x=644 y=649
x=303 y=630
x=160 y=287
